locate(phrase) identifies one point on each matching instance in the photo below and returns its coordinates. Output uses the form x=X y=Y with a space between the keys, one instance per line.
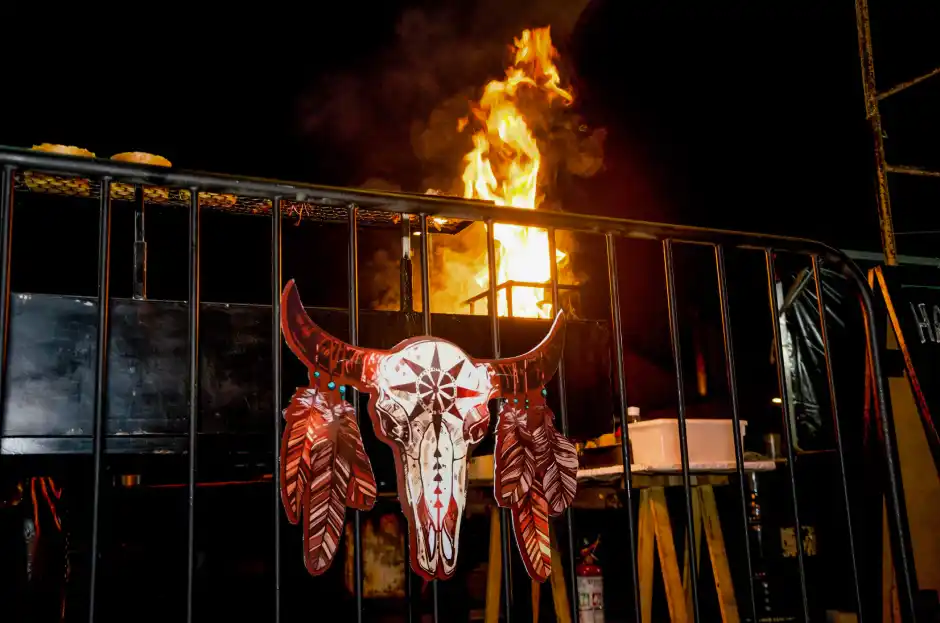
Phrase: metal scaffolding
x=873 y=98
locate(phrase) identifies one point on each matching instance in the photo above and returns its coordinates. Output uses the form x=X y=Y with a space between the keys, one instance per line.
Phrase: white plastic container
x=656 y=442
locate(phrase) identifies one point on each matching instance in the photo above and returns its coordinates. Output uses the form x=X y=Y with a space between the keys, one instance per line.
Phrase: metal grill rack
x=873 y=98
x=323 y=211
x=509 y=286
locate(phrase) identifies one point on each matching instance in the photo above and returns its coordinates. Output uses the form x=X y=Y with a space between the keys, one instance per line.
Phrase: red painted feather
x=556 y=463
x=515 y=463
x=324 y=469
x=536 y=475
x=530 y=523
x=325 y=504
x=362 y=491
x=295 y=465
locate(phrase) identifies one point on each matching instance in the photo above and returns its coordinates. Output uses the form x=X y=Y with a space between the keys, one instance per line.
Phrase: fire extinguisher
x=590 y=586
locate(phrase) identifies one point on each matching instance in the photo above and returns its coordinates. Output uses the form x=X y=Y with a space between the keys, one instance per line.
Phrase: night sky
x=731 y=114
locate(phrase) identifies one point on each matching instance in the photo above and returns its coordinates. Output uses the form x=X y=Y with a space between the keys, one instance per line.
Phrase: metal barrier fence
x=356 y=202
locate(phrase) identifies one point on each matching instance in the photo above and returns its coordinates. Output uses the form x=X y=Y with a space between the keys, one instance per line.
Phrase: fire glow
x=504 y=167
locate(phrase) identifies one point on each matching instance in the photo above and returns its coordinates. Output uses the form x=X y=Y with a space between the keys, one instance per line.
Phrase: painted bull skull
x=429 y=404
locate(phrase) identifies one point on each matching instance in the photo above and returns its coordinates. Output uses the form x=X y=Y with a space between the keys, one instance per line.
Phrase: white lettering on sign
x=925 y=323
x=590 y=599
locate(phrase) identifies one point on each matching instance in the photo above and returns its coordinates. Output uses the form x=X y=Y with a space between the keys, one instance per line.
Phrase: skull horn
x=323 y=354
x=531 y=371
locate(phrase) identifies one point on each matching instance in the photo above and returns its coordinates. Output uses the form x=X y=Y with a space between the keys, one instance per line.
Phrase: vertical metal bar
x=735 y=419
x=425 y=276
x=193 y=393
x=873 y=113
x=406 y=304
x=901 y=548
x=617 y=323
x=140 y=244
x=785 y=394
x=101 y=379
x=563 y=416
x=409 y=581
x=405 y=294
x=6 y=247
x=505 y=521
x=426 y=323
x=276 y=396
x=509 y=285
x=827 y=355
x=353 y=271
x=491 y=294
x=683 y=430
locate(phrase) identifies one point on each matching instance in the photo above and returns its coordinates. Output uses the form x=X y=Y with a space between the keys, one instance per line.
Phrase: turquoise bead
x=316 y=375
x=545 y=392
x=331 y=385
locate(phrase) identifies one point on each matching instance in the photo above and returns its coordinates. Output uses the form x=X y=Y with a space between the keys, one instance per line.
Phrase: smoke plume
x=399 y=117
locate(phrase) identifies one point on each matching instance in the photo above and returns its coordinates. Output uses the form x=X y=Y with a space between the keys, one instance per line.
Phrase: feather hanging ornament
x=324 y=470
x=536 y=476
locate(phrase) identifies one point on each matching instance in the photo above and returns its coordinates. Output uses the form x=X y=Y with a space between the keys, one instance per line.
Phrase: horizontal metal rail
x=510 y=285
x=406 y=203
x=908 y=84
x=426 y=207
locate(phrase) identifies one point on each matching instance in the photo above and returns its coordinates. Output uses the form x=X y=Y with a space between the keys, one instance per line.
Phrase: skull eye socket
x=476 y=423
x=392 y=427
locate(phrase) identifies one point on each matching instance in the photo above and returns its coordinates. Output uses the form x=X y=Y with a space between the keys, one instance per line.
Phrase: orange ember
x=504 y=167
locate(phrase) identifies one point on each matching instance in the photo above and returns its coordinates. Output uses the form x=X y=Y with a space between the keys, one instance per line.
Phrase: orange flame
x=504 y=167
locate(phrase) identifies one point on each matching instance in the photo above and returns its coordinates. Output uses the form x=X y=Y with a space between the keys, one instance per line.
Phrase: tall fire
x=504 y=167
x=507 y=165
x=519 y=143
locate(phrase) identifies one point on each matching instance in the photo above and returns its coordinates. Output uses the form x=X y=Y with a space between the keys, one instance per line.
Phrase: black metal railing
x=283 y=197
x=510 y=285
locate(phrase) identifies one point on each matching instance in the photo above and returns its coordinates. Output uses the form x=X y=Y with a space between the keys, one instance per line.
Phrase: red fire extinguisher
x=590 y=586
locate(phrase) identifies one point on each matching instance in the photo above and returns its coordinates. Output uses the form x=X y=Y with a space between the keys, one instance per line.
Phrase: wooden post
x=646 y=540
x=719 y=557
x=494 y=570
x=675 y=595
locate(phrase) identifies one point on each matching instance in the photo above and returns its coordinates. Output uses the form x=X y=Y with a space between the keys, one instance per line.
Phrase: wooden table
x=655 y=529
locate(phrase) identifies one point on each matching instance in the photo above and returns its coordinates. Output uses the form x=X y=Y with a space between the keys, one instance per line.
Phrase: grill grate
x=324 y=212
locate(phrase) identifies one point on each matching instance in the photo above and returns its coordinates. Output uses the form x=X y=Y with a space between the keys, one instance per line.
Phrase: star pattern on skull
x=437 y=390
